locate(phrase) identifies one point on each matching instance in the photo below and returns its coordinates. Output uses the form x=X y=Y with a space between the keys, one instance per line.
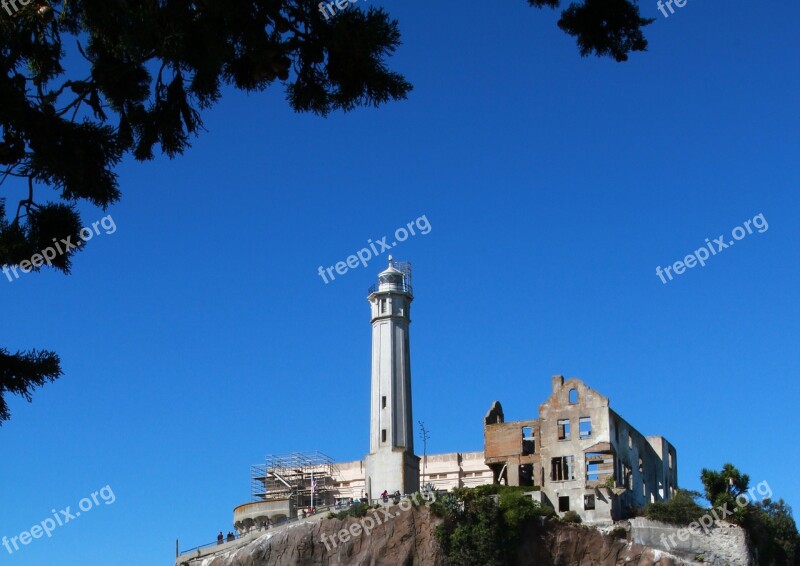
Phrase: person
x=303 y=514
x=231 y=537
x=220 y=538
x=385 y=496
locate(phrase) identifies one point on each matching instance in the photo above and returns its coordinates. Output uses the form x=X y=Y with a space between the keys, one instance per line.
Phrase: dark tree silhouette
x=22 y=372
x=146 y=71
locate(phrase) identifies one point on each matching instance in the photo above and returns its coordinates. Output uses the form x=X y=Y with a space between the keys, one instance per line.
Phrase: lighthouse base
x=391 y=470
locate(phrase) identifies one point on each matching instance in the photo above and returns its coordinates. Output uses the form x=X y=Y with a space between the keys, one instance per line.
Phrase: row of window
x=584 y=428
x=563 y=503
x=466 y=475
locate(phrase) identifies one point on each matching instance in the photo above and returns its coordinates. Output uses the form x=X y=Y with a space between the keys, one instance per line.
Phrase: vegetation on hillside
x=769 y=524
x=482 y=525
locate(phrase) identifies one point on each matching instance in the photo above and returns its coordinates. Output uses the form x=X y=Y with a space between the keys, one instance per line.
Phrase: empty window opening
x=585 y=427
x=627 y=476
x=526 y=474
x=644 y=489
x=573 y=396
x=383 y=435
x=557 y=469
x=599 y=466
x=383 y=402
x=630 y=440
x=670 y=460
x=563 y=503
x=528 y=441
x=563 y=429
x=570 y=461
x=562 y=468
x=588 y=502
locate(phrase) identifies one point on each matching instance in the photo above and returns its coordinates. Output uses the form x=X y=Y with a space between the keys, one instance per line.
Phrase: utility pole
x=423 y=434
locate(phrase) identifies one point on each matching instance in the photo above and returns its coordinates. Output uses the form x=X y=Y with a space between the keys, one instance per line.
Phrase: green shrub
x=681 y=509
x=356 y=510
x=438 y=509
x=572 y=517
x=482 y=525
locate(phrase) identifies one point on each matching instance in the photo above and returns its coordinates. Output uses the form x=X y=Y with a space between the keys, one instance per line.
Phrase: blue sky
x=199 y=337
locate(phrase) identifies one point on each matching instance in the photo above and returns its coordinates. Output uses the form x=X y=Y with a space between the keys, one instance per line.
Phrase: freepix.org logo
x=700 y=255
x=58 y=248
x=364 y=255
x=59 y=519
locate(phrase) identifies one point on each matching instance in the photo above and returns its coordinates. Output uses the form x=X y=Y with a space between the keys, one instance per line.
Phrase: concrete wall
x=456 y=469
x=444 y=471
x=350 y=481
x=254 y=515
x=651 y=478
x=391 y=470
x=724 y=544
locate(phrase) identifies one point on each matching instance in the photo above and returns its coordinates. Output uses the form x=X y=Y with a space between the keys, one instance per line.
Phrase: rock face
x=563 y=545
x=405 y=539
x=408 y=539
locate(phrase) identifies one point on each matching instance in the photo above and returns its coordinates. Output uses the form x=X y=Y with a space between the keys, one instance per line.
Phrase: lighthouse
x=391 y=464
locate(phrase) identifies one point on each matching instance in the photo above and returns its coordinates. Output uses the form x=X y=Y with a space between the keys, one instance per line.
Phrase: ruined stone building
x=581 y=455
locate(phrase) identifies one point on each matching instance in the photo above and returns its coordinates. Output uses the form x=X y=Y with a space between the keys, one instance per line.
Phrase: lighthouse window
x=383 y=402
x=383 y=435
x=383 y=306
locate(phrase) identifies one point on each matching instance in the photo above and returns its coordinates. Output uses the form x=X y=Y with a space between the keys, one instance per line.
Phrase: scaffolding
x=290 y=477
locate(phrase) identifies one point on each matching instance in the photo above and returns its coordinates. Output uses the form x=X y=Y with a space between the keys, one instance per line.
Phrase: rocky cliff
x=407 y=539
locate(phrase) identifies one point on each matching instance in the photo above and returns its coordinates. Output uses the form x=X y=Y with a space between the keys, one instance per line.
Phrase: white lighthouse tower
x=391 y=464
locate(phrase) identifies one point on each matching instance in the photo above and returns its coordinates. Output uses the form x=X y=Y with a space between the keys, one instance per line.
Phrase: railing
x=272 y=526
x=400 y=287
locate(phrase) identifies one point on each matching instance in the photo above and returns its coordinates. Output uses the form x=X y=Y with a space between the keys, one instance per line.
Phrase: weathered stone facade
x=582 y=455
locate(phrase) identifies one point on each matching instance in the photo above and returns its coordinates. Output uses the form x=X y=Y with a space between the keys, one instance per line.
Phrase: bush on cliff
x=681 y=509
x=482 y=525
x=355 y=510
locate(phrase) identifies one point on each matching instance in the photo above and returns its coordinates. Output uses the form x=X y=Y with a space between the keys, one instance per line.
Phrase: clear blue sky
x=199 y=337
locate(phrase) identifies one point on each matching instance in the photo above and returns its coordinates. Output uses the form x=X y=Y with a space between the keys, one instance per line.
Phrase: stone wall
x=724 y=544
